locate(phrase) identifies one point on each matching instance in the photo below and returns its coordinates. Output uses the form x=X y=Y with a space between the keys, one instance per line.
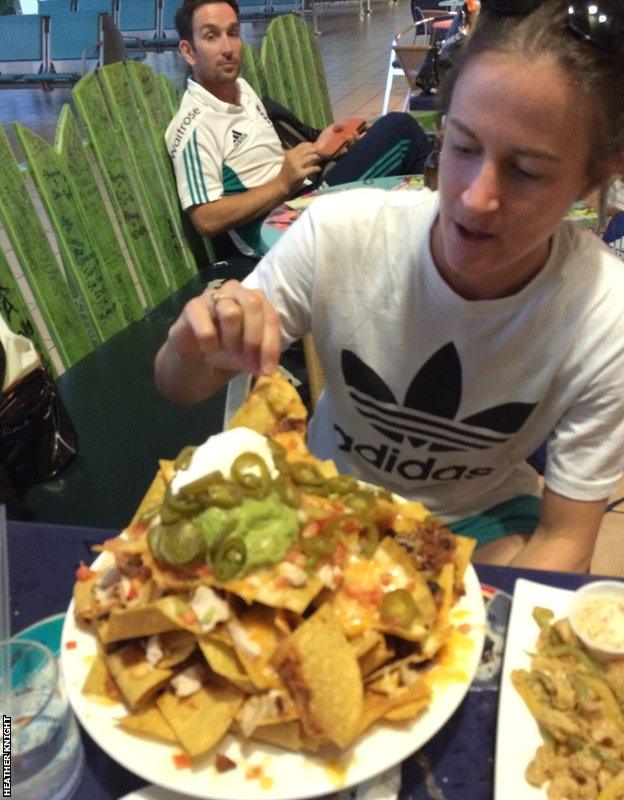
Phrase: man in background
x=230 y=167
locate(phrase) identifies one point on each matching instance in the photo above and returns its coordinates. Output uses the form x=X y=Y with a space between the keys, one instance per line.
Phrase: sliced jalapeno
x=183 y=459
x=154 y=538
x=361 y=502
x=369 y=539
x=317 y=545
x=225 y=494
x=228 y=557
x=306 y=474
x=181 y=543
x=250 y=471
x=199 y=484
x=342 y=484
x=186 y=505
x=398 y=608
x=287 y=491
x=168 y=515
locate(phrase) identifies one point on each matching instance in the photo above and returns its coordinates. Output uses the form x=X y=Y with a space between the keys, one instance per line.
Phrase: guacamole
x=268 y=527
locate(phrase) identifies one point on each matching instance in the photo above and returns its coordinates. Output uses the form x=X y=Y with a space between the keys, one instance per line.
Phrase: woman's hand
x=219 y=333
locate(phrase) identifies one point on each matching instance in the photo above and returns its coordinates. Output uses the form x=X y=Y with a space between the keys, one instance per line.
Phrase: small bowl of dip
x=597 y=617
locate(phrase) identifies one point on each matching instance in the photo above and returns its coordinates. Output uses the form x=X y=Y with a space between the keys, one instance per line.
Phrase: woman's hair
x=597 y=76
x=183 y=19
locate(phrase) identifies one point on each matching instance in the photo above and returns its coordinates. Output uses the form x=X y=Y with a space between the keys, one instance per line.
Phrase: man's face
x=215 y=52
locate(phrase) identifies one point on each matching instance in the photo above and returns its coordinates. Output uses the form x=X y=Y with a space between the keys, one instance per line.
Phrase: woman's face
x=516 y=146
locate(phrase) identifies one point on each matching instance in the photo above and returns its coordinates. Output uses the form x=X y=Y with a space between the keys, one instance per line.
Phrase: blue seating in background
x=76 y=42
x=140 y=19
x=23 y=43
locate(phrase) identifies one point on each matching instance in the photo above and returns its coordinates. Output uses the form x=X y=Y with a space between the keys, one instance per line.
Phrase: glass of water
x=46 y=758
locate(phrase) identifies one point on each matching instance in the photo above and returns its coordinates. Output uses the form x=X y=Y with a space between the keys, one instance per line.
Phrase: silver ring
x=215 y=297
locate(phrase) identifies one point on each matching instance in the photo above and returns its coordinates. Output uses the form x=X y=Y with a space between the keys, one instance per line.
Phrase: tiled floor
x=356 y=53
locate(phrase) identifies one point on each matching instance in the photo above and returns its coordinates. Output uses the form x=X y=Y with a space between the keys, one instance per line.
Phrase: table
x=124 y=426
x=281 y=218
x=42 y=559
x=284 y=215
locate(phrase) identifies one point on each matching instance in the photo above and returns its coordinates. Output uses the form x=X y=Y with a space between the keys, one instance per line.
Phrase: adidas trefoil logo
x=428 y=415
x=238 y=138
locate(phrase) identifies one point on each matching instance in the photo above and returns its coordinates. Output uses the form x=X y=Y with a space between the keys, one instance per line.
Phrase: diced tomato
x=465 y=628
x=339 y=556
x=181 y=761
x=71 y=645
x=385 y=578
x=295 y=556
x=133 y=593
x=205 y=569
x=83 y=573
x=137 y=529
x=143 y=573
x=188 y=616
x=311 y=528
x=369 y=596
x=253 y=772
x=282 y=582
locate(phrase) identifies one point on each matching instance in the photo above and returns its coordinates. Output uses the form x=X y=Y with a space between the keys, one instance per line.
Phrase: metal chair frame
x=421 y=31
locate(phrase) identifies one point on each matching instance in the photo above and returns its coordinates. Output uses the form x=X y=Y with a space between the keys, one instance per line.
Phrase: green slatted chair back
x=67 y=328
x=293 y=70
x=252 y=70
x=146 y=163
x=83 y=266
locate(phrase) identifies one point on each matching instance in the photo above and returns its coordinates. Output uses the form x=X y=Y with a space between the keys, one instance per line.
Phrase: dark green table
x=123 y=424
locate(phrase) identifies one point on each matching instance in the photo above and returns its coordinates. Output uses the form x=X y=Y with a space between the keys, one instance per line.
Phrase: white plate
x=518 y=735
x=285 y=775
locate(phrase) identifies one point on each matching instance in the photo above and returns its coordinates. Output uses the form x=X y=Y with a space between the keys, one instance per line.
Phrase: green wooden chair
x=70 y=333
x=253 y=71
x=294 y=72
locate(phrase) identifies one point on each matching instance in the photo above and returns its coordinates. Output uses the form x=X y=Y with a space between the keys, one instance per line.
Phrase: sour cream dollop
x=220 y=451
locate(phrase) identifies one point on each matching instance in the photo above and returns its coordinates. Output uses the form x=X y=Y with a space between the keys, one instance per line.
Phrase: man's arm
x=564 y=539
x=233 y=211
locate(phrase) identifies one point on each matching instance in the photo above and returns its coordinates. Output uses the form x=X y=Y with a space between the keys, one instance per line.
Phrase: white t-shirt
x=439 y=398
x=219 y=149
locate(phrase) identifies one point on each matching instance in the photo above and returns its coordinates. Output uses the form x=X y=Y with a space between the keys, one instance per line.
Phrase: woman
x=460 y=329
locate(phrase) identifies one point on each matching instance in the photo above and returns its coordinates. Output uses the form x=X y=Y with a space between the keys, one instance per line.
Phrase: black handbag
x=37 y=438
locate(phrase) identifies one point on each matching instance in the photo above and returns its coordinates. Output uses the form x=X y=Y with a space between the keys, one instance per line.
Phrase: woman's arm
x=219 y=333
x=564 y=539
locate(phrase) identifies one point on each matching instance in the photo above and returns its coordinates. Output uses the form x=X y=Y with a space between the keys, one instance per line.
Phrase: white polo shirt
x=219 y=148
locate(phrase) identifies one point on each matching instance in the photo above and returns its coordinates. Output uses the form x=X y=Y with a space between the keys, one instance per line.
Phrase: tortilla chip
x=155 y=493
x=363 y=577
x=321 y=671
x=260 y=625
x=273 y=405
x=406 y=703
x=99 y=683
x=223 y=660
x=201 y=720
x=464 y=548
x=136 y=678
x=177 y=646
x=374 y=658
x=149 y=722
x=135 y=622
x=265 y=586
x=289 y=735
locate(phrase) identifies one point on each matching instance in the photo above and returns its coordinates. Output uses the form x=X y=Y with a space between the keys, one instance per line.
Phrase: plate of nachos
x=267 y=628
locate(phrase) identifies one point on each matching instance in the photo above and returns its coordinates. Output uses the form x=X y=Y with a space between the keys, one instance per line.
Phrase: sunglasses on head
x=600 y=22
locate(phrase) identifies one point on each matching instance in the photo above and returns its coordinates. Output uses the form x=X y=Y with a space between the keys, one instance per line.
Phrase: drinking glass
x=46 y=757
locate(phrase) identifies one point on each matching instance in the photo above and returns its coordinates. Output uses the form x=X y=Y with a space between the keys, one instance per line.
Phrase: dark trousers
x=394 y=145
